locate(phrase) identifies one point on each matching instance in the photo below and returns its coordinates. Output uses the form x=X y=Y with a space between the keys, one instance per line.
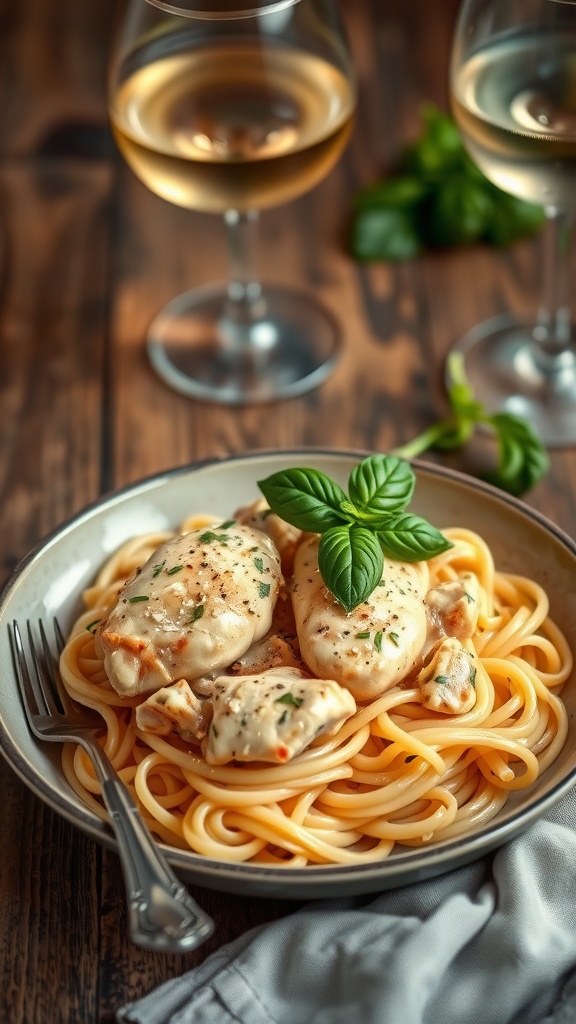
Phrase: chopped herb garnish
x=378 y=640
x=227 y=524
x=363 y=636
x=288 y=698
x=158 y=568
x=140 y=597
x=263 y=589
x=175 y=568
x=197 y=613
x=283 y=717
x=394 y=638
x=441 y=679
x=468 y=597
x=258 y=562
x=91 y=625
x=208 y=536
x=473 y=677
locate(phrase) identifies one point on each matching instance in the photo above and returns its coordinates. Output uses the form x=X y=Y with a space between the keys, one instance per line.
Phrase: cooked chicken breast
x=452 y=608
x=272 y=716
x=279 y=646
x=371 y=648
x=447 y=681
x=284 y=536
x=175 y=708
x=199 y=603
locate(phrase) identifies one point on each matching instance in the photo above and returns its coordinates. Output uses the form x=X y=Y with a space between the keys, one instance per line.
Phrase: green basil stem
x=429 y=438
x=522 y=458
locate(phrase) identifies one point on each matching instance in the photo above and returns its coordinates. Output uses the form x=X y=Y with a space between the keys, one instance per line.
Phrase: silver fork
x=162 y=915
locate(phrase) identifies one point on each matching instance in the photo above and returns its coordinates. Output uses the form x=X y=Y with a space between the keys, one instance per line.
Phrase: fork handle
x=161 y=912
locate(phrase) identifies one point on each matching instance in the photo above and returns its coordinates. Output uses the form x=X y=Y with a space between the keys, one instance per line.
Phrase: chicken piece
x=452 y=608
x=279 y=647
x=271 y=652
x=175 y=708
x=284 y=536
x=272 y=716
x=203 y=686
x=199 y=603
x=371 y=648
x=447 y=681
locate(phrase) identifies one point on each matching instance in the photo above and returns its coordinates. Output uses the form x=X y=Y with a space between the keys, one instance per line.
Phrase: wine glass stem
x=244 y=307
x=552 y=333
x=244 y=286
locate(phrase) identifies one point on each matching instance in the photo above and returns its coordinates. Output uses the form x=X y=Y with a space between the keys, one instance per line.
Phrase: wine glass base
x=201 y=346
x=506 y=374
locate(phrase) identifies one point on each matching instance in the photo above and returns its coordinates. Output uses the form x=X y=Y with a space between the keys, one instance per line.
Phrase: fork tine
x=60 y=638
x=35 y=673
x=45 y=668
x=68 y=705
x=23 y=677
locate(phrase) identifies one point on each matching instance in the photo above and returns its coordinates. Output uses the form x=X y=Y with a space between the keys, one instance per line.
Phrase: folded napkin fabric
x=490 y=943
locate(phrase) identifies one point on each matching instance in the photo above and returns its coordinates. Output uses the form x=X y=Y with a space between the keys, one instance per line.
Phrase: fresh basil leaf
x=409 y=538
x=460 y=211
x=437 y=196
x=306 y=498
x=382 y=484
x=351 y=562
x=439 y=147
x=385 y=233
x=403 y=191
x=523 y=460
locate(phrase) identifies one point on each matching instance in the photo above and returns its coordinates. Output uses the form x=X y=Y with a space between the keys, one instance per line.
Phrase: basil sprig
x=522 y=458
x=359 y=528
x=436 y=197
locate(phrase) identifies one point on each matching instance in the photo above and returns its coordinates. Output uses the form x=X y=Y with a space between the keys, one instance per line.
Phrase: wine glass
x=513 y=89
x=227 y=108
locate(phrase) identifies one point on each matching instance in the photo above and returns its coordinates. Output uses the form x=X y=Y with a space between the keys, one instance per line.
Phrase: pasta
x=395 y=773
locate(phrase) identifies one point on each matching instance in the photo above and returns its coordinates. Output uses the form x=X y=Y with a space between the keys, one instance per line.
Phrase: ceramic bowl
x=50 y=580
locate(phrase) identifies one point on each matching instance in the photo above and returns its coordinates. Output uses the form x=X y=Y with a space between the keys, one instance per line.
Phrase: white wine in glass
x=231 y=110
x=513 y=87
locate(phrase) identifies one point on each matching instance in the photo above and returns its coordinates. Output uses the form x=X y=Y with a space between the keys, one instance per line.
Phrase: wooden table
x=88 y=255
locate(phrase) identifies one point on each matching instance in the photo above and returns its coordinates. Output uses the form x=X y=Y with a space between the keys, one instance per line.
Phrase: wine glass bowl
x=513 y=90
x=232 y=110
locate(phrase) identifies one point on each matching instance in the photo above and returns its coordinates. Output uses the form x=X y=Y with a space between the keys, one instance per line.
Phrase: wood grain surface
x=87 y=257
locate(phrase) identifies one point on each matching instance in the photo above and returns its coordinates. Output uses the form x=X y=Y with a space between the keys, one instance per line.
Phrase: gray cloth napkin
x=490 y=943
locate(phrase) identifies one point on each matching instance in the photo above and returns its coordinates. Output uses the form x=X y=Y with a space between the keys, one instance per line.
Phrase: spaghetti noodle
x=394 y=773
